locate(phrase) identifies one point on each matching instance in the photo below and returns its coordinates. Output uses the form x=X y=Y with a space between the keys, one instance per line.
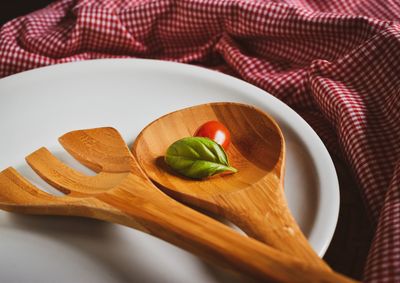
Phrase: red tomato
x=216 y=131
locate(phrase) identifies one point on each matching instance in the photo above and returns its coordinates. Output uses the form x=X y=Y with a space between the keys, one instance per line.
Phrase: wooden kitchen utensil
x=253 y=198
x=122 y=193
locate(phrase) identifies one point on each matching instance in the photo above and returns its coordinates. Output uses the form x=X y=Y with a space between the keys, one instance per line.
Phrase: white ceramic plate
x=36 y=107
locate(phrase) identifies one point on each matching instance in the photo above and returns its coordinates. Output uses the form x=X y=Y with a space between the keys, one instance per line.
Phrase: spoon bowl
x=253 y=197
x=256 y=150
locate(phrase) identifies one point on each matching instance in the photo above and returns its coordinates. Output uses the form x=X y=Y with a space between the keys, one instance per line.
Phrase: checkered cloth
x=336 y=62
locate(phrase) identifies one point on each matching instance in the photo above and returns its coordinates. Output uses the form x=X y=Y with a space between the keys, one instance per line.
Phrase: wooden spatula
x=121 y=193
x=253 y=198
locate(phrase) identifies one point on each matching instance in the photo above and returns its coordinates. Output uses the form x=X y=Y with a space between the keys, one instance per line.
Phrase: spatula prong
x=16 y=193
x=67 y=179
x=100 y=149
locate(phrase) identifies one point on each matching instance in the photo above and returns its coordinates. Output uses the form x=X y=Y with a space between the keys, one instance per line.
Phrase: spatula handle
x=271 y=223
x=209 y=239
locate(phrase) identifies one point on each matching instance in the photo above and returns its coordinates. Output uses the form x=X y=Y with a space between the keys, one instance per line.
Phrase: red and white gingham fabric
x=335 y=62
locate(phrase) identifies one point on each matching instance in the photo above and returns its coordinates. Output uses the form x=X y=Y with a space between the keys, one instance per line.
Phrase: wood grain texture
x=253 y=198
x=129 y=198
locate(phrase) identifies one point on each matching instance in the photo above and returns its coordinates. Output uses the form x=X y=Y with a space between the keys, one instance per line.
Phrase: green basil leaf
x=197 y=157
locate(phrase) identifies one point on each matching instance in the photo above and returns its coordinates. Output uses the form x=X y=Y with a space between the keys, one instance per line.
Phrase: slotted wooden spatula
x=122 y=193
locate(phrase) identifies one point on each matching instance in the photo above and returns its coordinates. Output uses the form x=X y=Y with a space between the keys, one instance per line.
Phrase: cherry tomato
x=215 y=131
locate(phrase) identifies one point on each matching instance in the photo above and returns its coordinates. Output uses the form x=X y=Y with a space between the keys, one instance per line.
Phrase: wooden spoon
x=253 y=198
x=122 y=193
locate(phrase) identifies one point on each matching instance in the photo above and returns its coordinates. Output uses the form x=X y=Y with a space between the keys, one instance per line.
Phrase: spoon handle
x=209 y=239
x=271 y=223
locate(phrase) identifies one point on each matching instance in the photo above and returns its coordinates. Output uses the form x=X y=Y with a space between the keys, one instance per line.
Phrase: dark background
x=15 y=8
